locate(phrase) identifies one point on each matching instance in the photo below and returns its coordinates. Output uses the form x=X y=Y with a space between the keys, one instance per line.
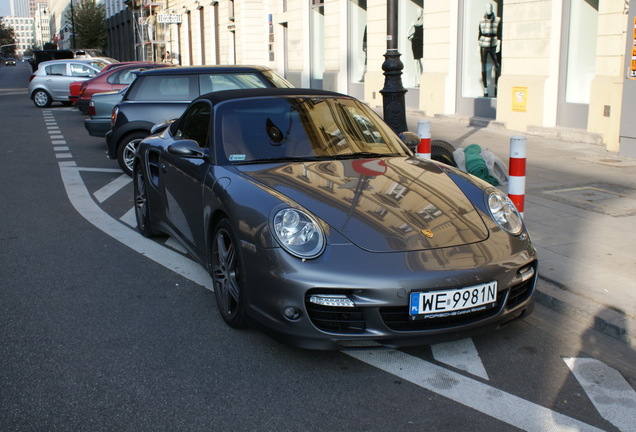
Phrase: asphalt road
x=96 y=336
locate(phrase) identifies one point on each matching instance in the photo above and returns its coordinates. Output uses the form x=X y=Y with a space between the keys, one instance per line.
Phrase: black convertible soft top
x=225 y=95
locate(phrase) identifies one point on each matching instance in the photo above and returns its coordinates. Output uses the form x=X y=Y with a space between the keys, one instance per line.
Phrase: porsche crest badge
x=427 y=233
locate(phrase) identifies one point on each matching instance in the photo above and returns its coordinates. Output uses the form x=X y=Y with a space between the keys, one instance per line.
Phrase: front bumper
x=380 y=285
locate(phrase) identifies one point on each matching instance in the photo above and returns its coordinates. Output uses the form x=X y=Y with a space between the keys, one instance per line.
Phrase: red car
x=74 y=87
x=115 y=78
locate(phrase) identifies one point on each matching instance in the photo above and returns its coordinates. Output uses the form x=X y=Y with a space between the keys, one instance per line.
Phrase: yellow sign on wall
x=520 y=99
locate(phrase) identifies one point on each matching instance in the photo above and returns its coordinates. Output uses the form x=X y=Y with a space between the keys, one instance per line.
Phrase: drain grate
x=602 y=198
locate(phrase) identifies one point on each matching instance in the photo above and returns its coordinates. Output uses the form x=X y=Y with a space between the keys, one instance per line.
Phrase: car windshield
x=302 y=128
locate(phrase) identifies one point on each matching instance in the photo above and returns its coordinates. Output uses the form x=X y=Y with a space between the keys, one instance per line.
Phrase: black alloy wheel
x=142 y=210
x=227 y=276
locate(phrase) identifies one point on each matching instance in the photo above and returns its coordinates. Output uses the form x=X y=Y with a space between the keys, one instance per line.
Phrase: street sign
x=165 y=18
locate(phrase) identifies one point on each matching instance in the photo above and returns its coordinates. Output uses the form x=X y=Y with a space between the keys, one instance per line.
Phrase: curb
x=604 y=319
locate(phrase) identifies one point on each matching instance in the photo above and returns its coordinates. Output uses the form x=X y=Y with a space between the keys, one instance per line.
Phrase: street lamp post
x=73 y=25
x=393 y=91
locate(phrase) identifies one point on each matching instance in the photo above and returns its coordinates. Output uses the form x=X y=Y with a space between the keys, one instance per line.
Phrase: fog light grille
x=335 y=313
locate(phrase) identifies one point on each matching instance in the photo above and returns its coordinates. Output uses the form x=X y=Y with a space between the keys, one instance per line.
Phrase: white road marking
x=610 y=393
x=104 y=170
x=129 y=218
x=486 y=399
x=61 y=148
x=81 y=199
x=175 y=245
x=113 y=187
x=461 y=354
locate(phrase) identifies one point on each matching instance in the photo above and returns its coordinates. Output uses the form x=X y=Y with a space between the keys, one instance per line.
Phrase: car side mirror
x=411 y=140
x=186 y=148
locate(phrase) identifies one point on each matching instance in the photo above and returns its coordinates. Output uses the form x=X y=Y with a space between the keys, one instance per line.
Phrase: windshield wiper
x=279 y=159
x=363 y=154
x=356 y=155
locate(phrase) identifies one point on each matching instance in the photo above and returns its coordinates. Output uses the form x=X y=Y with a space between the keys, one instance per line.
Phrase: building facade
x=42 y=25
x=537 y=66
x=23 y=30
x=19 y=8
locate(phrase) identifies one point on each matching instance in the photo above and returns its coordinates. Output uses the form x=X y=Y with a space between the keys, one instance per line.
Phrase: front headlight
x=298 y=233
x=504 y=212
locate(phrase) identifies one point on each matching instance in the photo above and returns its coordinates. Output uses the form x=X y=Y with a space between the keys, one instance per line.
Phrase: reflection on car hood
x=381 y=205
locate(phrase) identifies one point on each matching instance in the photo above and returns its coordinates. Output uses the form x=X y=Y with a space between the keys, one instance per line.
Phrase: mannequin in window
x=416 y=36
x=489 y=37
x=364 y=48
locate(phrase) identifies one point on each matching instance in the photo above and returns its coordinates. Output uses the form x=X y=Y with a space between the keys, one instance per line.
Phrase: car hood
x=381 y=205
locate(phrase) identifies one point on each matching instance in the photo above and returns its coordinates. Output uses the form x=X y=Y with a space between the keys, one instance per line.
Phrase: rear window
x=165 y=88
x=217 y=82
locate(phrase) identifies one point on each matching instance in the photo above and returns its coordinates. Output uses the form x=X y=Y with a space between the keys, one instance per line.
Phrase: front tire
x=42 y=99
x=142 y=208
x=226 y=264
x=127 y=149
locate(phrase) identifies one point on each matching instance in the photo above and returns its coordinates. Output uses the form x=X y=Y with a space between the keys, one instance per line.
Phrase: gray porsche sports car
x=319 y=226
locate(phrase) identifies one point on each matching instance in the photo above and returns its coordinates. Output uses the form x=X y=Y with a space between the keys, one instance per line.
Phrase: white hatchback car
x=50 y=82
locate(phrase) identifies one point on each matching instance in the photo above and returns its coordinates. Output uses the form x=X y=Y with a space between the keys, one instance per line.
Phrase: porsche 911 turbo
x=321 y=227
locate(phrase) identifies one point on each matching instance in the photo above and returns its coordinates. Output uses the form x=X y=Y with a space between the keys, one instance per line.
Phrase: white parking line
x=129 y=218
x=87 y=207
x=612 y=396
x=486 y=399
x=461 y=354
x=113 y=187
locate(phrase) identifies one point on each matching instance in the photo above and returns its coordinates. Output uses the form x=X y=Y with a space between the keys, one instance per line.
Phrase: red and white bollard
x=517 y=172
x=424 y=132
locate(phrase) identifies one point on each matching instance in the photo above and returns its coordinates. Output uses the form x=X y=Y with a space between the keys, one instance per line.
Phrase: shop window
x=358 y=40
x=481 y=48
x=317 y=26
x=411 y=40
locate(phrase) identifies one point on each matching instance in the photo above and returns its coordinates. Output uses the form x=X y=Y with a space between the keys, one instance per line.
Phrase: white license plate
x=435 y=304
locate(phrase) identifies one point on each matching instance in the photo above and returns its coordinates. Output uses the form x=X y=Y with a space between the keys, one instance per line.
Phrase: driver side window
x=195 y=124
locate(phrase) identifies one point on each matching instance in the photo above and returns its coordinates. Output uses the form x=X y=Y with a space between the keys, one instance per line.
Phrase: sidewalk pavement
x=580 y=208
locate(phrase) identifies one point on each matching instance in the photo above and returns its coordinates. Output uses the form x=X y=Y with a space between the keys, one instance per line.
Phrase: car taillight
x=31 y=77
x=113 y=117
x=91 y=109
